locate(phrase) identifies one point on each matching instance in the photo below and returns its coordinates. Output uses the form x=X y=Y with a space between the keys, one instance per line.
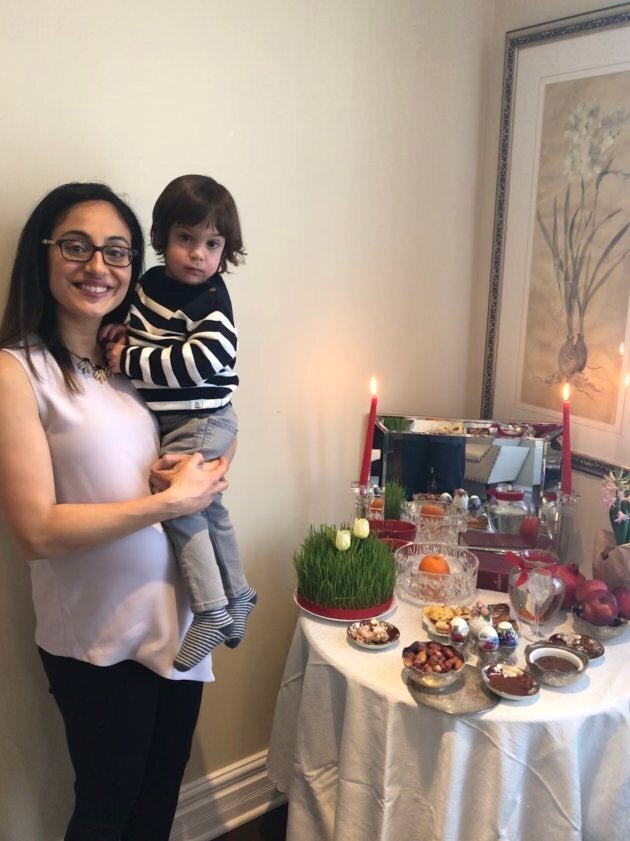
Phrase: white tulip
x=342 y=540
x=361 y=528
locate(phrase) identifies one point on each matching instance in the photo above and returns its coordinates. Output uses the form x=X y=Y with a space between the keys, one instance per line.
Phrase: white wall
x=348 y=131
x=359 y=139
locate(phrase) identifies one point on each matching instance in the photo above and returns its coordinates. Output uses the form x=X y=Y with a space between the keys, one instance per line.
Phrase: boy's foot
x=208 y=629
x=239 y=609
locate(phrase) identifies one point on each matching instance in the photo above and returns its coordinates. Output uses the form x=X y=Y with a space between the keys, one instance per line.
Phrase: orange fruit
x=434 y=563
x=431 y=509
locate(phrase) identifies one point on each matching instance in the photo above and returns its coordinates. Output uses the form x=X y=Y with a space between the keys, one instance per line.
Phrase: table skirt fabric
x=361 y=760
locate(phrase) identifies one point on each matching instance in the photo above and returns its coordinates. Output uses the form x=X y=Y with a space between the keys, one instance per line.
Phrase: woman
x=76 y=450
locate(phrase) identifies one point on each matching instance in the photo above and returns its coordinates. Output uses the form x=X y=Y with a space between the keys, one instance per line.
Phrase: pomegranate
x=622 y=594
x=528 y=530
x=571 y=576
x=590 y=585
x=600 y=607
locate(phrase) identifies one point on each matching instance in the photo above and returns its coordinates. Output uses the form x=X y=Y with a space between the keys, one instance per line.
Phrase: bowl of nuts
x=432 y=665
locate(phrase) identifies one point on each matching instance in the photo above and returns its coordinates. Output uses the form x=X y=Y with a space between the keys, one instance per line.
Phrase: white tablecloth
x=361 y=760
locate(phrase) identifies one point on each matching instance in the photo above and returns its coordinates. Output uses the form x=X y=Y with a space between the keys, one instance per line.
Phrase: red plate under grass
x=350 y=614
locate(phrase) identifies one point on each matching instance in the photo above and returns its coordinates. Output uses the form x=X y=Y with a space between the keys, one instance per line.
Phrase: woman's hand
x=189 y=480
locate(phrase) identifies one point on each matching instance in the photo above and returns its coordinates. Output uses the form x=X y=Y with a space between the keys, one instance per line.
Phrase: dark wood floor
x=271 y=826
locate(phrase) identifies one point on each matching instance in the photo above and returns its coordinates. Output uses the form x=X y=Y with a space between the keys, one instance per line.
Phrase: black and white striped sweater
x=181 y=344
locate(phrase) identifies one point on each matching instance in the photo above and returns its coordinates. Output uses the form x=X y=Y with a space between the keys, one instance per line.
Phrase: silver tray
x=469 y=696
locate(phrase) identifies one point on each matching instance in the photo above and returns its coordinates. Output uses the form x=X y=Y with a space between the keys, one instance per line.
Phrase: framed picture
x=559 y=306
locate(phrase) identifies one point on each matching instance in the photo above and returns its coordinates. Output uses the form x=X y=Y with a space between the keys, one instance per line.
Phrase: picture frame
x=559 y=298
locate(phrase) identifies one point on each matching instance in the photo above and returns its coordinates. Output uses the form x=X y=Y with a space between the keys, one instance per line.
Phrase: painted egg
x=459 y=629
x=507 y=635
x=474 y=503
x=487 y=638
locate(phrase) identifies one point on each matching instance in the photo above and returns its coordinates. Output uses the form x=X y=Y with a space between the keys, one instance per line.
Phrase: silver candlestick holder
x=363 y=498
x=561 y=525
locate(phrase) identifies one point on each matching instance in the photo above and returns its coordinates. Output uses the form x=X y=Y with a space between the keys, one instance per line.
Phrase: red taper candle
x=566 y=442
x=366 y=463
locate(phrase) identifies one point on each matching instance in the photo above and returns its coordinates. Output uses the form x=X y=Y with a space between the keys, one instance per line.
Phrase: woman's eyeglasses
x=79 y=251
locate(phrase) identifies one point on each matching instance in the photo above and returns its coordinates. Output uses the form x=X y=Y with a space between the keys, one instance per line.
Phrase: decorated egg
x=507 y=635
x=460 y=500
x=474 y=503
x=446 y=498
x=459 y=629
x=487 y=638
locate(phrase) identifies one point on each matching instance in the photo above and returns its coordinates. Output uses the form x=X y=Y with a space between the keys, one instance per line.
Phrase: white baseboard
x=225 y=799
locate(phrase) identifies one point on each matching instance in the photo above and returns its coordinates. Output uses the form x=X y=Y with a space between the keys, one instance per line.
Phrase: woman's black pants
x=129 y=734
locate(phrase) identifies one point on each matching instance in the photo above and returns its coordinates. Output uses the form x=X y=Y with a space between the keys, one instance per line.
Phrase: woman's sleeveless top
x=123 y=600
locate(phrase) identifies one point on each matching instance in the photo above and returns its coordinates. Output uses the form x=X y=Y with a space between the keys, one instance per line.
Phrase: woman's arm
x=43 y=528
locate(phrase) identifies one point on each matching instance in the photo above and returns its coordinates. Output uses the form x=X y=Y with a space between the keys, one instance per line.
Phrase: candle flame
x=373 y=386
x=622 y=349
x=566 y=391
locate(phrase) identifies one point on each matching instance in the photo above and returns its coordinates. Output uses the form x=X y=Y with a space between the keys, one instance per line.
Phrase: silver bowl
x=431 y=680
x=600 y=632
x=576 y=661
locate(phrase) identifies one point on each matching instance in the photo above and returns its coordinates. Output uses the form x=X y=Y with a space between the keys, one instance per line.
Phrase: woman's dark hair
x=30 y=307
x=191 y=199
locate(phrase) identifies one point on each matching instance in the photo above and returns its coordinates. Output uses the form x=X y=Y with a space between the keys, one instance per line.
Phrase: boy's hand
x=113 y=333
x=113 y=351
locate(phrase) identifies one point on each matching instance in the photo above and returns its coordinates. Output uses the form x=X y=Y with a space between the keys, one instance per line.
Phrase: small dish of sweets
x=437 y=617
x=579 y=642
x=509 y=681
x=373 y=633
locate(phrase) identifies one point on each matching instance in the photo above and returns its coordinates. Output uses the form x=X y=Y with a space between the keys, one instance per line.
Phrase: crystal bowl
x=438 y=522
x=456 y=587
x=577 y=662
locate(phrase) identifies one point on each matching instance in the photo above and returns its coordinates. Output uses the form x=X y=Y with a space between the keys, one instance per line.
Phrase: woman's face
x=88 y=291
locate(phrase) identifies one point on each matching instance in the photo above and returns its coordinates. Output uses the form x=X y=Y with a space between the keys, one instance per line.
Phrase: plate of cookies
x=436 y=618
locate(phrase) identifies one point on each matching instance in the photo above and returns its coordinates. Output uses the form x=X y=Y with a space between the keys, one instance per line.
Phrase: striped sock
x=239 y=609
x=208 y=629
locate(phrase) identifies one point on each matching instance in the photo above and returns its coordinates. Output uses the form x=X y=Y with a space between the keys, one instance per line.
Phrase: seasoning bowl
x=555 y=665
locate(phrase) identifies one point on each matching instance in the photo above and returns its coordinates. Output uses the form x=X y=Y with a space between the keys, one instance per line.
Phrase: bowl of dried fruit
x=432 y=665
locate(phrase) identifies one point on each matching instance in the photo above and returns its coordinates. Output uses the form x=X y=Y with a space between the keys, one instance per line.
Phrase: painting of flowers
x=579 y=283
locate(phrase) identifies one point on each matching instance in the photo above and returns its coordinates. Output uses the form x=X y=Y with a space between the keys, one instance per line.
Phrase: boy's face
x=193 y=252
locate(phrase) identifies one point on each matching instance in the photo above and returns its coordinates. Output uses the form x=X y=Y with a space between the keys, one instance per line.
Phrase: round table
x=360 y=759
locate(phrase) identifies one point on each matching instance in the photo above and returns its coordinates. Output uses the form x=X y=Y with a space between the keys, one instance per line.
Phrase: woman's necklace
x=101 y=373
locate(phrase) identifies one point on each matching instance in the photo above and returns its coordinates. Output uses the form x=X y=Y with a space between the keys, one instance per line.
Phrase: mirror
x=435 y=455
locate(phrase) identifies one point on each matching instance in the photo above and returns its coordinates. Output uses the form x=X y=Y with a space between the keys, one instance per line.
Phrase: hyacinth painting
x=579 y=283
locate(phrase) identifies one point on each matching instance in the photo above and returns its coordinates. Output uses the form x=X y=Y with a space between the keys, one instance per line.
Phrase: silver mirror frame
x=465 y=428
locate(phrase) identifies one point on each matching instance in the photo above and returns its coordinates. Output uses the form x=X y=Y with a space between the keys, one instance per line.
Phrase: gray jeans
x=205 y=543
